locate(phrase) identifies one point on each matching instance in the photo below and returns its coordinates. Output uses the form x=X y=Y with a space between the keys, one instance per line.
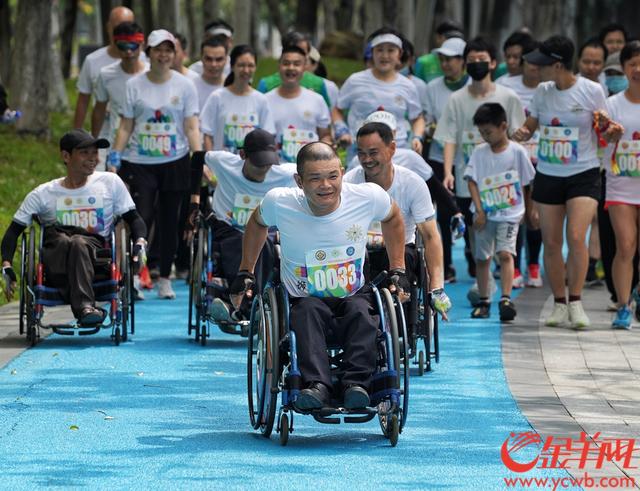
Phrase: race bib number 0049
x=334 y=272
x=627 y=157
x=81 y=211
x=243 y=206
x=157 y=140
x=558 y=145
x=500 y=192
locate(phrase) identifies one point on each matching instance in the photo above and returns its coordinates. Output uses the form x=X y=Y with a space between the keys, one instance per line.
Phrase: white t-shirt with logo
x=297 y=120
x=404 y=157
x=235 y=196
x=421 y=87
x=228 y=118
x=456 y=125
x=159 y=111
x=501 y=178
x=363 y=94
x=412 y=195
x=568 y=144
x=111 y=87
x=623 y=158
x=93 y=207
x=324 y=256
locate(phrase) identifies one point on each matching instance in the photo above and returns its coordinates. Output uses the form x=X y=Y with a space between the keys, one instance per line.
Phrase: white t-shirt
x=228 y=118
x=456 y=125
x=362 y=94
x=623 y=173
x=159 y=111
x=235 y=196
x=204 y=89
x=92 y=207
x=568 y=144
x=421 y=87
x=437 y=95
x=406 y=158
x=332 y=91
x=111 y=86
x=323 y=256
x=297 y=120
x=501 y=178
x=412 y=195
x=197 y=67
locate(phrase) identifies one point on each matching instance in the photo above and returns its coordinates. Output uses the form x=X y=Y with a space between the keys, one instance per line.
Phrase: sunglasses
x=126 y=46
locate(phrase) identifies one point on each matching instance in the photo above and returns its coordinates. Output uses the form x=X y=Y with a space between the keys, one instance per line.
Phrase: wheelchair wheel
x=421 y=363
x=125 y=291
x=284 y=429
x=196 y=286
x=28 y=284
x=263 y=365
x=23 y=283
x=117 y=337
x=394 y=431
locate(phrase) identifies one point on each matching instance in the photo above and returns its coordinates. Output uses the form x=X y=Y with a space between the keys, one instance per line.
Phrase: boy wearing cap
x=78 y=211
x=243 y=180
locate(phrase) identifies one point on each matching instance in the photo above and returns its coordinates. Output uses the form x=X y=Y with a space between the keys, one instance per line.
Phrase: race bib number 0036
x=157 y=140
x=334 y=272
x=243 y=206
x=81 y=211
x=558 y=145
x=500 y=192
x=627 y=156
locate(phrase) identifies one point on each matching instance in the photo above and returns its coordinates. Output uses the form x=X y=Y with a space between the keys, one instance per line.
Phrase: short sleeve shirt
x=93 y=207
x=404 y=158
x=204 y=90
x=324 y=256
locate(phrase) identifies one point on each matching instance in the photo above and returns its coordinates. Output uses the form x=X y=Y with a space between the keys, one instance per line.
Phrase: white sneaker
x=164 y=288
x=137 y=288
x=577 y=315
x=559 y=315
x=518 y=280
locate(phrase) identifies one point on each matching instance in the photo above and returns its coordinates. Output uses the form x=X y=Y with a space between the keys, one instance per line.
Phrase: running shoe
x=473 y=295
x=622 y=320
x=449 y=274
x=559 y=315
x=481 y=311
x=507 y=310
x=577 y=316
x=612 y=306
x=145 y=279
x=219 y=311
x=137 y=288
x=164 y=289
x=534 y=280
x=457 y=227
x=636 y=298
x=518 y=279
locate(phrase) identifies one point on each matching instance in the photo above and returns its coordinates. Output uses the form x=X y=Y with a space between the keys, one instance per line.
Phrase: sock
x=484 y=300
x=505 y=297
x=574 y=298
x=560 y=300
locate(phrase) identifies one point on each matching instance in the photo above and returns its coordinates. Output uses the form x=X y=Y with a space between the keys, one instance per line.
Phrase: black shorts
x=552 y=190
x=171 y=176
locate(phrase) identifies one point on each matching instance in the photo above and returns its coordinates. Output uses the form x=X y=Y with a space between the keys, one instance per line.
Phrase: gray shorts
x=495 y=237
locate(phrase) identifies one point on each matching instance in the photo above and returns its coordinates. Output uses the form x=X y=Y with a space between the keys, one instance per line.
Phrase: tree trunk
x=425 y=13
x=329 y=10
x=373 y=10
x=307 y=16
x=193 y=33
x=105 y=10
x=255 y=26
x=147 y=17
x=29 y=89
x=242 y=16
x=5 y=41
x=210 y=11
x=275 y=15
x=58 y=100
x=344 y=16
x=168 y=15
x=66 y=41
x=406 y=18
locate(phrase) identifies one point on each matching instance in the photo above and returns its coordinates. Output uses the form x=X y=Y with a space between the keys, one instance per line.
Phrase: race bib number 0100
x=293 y=140
x=558 y=145
x=334 y=272
x=500 y=192
x=626 y=161
x=157 y=140
x=81 y=211
x=236 y=127
x=243 y=206
x=470 y=140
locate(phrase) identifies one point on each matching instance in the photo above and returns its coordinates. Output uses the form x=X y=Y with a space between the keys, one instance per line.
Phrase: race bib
x=236 y=127
x=243 y=206
x=558 y=145
x=500 y=192
x=626 y=159
x=293 y=140
x=335 y=272
x=531 y=146
x=86 y=212
x=157 y=140
x=374 y=236
x=470 y=140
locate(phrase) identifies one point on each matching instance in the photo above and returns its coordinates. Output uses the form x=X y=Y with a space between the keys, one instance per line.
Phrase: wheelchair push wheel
x=28 y=320
x=197 y=288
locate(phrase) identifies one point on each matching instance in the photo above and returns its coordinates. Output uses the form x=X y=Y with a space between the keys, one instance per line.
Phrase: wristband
x=341 y=129
x=114 y=159
x=418 y=137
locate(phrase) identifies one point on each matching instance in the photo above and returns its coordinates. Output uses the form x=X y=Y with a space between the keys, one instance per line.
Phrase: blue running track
x=162 y=412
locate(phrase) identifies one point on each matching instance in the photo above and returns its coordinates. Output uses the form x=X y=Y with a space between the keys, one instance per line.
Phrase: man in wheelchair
x=376 y=147
x=242 y=182
x=77 y=212
x=323 y=232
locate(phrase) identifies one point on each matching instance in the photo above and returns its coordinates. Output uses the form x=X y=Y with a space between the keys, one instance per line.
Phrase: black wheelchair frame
x=117 y=290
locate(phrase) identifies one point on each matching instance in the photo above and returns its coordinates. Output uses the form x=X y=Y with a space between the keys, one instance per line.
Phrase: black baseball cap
x=551 y=51
x=260 y=147
x=81 y=139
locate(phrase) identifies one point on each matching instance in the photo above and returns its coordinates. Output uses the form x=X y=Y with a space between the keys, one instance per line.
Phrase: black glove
x=10 y=281
x=243 y=282
x=398 y=279
x=194 y=212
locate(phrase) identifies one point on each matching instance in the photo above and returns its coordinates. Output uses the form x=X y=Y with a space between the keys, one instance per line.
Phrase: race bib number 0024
x=157 y=140
x=81 y=211
x=334 y=272
x=627 y=156
x=500 y=192
x=243 y=206
x=558 y=145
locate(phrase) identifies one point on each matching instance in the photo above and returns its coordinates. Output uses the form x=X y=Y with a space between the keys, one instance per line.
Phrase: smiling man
x=78 y=212
x=321 y=215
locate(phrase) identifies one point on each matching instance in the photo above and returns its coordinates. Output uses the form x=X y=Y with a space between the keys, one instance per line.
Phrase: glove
x=457 y=227
x=140 y=253
x=440 y=301
x=114 y=159
x=399 y=281
x=194 y=212
x=10 y=281
x=242 y=283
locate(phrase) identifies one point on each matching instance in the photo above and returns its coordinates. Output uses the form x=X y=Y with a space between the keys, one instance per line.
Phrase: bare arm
x=337 y=116
x=417 y=128
x=449 y=155
x=393 y=234
x=124 y=132
x=480 y=218
x=208 y=142
x=97 y=117
x=255 y=235
x=433 y=252
x=525 y=132
x=81 y=109
x=192 y=132
x=324 y=135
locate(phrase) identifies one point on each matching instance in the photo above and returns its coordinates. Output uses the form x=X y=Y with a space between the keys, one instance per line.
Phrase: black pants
x=447 y=207
x=378 y=261
x=69 y=266
x=350 y=322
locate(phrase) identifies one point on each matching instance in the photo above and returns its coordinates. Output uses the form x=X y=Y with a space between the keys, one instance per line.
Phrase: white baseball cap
x=452 y=47
x=382 y=117
x=159 y=36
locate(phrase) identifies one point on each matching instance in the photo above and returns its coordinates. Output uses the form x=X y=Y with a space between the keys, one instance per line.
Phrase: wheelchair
x=272 y=368
x=203 y=284
x=113 y=284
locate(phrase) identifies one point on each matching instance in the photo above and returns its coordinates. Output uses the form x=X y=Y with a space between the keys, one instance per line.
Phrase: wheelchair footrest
x=72 y=329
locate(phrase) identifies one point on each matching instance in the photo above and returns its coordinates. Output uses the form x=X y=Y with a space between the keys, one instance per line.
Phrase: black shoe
x=449 y=274
x=91 y=316
x=355 y=397
x=481 y=311
x=507 y=310
x=315 y=396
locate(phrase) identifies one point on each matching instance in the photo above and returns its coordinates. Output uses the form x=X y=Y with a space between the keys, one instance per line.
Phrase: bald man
x=91 y=69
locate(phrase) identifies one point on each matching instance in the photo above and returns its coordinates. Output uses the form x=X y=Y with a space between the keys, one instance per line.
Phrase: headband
x=220 y=30
x=138 y=37
x=386 y=38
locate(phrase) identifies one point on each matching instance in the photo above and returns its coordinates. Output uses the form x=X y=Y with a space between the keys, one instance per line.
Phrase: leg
x=624 y=219
x=465 y=204
x=551 y=226
x=506 y=272
x=607 y=247
x=483 y=271
x=580 y=212
x=82 y=250
x=168 y=229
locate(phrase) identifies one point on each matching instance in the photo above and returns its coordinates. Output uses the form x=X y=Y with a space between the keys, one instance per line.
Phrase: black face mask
x=478 y=70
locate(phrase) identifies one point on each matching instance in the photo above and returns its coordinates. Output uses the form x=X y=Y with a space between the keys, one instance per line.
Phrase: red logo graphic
x=516 y=442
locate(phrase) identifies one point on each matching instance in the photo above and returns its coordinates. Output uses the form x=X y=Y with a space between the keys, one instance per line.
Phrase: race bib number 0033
x=157 y=140
x=81 y=211
x=500 y=192
x=558 y=145
x=627 y=156
x=334 y=272
x=243 y=206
